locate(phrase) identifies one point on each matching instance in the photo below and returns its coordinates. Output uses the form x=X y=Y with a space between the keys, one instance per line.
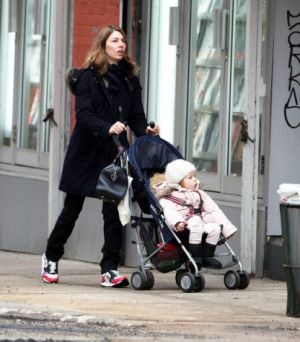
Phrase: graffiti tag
x=292 y=106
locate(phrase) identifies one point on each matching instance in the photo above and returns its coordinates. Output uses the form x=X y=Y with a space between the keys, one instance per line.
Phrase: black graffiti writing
x=293 y=20
x=292 y=104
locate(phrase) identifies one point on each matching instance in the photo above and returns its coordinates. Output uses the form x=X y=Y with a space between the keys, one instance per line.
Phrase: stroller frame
x=190 y=277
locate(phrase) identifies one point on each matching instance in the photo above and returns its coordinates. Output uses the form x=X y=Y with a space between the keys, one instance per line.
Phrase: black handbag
x=113 y=180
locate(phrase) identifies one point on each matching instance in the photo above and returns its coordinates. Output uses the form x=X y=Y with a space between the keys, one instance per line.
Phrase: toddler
x=186 y=206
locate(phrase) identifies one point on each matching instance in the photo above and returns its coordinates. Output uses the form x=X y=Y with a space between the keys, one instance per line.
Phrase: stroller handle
x=115 y=137
x=117 y=142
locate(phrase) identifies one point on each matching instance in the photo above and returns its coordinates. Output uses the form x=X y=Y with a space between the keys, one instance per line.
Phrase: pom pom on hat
x=177 y=170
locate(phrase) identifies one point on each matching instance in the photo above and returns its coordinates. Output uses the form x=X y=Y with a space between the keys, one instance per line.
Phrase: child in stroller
x=186 y=206
x=166 y=247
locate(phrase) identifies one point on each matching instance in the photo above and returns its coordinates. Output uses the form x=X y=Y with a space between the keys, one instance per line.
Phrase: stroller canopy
x=151 y=153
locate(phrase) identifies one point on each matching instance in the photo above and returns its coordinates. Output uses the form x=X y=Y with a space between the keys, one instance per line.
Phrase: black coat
x=97 y=108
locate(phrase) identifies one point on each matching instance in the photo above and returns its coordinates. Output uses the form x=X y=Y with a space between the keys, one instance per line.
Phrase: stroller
x=157 y=244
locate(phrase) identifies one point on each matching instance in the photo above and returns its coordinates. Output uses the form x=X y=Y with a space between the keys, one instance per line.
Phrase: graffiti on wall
x=292 y=106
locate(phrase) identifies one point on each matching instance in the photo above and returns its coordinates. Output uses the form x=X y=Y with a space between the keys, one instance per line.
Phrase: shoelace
x=52 y=266
x=116 y=273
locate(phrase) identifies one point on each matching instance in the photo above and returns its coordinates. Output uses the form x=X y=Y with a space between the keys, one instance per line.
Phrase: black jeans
x=65 y=224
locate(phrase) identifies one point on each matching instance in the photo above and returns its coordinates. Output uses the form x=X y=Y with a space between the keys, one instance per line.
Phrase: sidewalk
x=164 y=313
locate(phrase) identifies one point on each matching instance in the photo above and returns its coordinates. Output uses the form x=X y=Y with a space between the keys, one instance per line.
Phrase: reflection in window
x=162 y=58
x=32 y=82
x=7 y=60
x=219 y=102
x=22 y=107
x=207 y=91
x=237 y=102
x=31 y=89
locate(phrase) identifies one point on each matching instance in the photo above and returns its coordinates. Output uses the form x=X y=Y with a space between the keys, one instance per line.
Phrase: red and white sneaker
x=49 y=270
x=113 y=278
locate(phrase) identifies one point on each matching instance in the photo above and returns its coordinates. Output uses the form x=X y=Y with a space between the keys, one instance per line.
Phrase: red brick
x=89 y=17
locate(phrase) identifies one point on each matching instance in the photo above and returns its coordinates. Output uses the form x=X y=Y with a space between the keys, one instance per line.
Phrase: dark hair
x=97 y=56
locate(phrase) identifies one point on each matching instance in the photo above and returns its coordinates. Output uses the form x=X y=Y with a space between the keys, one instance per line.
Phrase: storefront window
x=24 y=59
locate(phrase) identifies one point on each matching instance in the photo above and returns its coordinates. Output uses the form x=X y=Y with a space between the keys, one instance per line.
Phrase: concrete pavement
x=78 y=309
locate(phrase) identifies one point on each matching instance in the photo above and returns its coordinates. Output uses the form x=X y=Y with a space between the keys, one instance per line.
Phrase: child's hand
x=180 y=226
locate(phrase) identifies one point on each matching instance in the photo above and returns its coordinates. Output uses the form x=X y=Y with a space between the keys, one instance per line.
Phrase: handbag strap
x=120 y=158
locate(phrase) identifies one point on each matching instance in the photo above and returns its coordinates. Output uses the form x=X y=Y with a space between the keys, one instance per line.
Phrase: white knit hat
x=177 y=170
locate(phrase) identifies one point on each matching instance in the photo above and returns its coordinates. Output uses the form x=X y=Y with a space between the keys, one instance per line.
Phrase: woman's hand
x=180 y=226
x=153 y=130
x=117 y=128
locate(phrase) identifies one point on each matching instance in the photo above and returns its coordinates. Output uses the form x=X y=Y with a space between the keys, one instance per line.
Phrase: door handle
x=244 y=136
x=50 y=116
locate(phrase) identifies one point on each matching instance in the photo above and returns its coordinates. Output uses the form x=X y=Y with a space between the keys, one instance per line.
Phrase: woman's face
x=115 y=47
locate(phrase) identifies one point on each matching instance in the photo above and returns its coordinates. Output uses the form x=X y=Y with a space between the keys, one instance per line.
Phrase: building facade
x=219 y=76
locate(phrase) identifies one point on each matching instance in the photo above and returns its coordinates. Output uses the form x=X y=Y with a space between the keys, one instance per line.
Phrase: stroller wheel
x=244 y=279
x=232 y=280
x=150 y=280
x=138 y=280
x=178 y=276
x=187 y=282
x=199 y=283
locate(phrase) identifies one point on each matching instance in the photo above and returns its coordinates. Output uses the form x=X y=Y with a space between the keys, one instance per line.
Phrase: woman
x=108 y=93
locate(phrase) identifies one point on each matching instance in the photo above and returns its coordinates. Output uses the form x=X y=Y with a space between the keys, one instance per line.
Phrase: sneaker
x=113 y=279
x=49 y=270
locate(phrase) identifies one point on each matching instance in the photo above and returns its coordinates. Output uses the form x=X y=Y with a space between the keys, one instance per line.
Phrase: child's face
x=190 y=182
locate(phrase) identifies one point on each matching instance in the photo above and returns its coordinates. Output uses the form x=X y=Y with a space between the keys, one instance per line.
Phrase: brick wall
x=89 y=17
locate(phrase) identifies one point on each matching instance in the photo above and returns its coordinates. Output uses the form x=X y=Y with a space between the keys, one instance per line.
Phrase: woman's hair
x=97 y=56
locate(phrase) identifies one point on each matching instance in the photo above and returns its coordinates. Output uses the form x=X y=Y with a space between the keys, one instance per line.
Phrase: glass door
x=235 y=107
x=206 y=96
x=216 y=91
x=162 y=67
